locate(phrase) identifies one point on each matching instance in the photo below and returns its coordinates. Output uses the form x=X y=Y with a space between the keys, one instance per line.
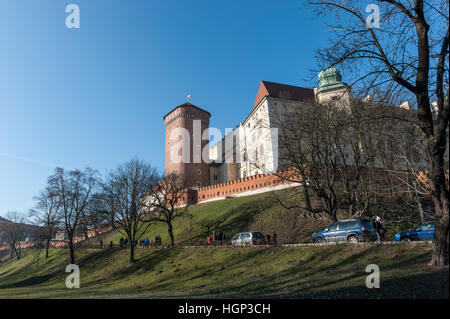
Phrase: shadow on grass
x=28 y=282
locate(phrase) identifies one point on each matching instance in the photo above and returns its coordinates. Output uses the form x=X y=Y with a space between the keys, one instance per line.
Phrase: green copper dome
x=330 y=79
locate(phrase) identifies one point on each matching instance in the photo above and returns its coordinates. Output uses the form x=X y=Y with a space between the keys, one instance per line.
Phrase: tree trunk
x=132 y=260
x=46 y=248
x=307 y=198
x=170 y=230
x=72 y=252
x=441 y=237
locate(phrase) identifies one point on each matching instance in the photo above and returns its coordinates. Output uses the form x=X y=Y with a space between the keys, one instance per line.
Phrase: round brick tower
x=185 y=125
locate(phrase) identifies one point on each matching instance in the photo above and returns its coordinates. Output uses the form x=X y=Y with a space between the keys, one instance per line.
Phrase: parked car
x=421 y=232
x=248 y=238
x=350 y=230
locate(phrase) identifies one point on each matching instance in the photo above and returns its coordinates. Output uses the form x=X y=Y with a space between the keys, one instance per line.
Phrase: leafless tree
x=13 y=232
x=124 y=189
x=46 y=215
x=73 y=191
x=320 y=145
x=405 y=57
x=167 y=201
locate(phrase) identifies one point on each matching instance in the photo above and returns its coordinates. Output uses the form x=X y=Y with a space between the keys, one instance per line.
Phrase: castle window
x=215 y=177
x=199 y=172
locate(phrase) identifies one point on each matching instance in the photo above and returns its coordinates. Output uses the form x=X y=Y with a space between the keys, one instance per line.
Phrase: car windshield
x=258 y=235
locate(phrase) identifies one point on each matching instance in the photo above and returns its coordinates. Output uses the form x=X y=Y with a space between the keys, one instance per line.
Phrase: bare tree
x=47 y=215
x=167 y=201
x=124 y=189
x=407 y=57
x=320 y=145
x=73 y=191
x=13 y=232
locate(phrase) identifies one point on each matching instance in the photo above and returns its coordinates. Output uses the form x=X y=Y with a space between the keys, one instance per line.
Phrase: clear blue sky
x=95 y=96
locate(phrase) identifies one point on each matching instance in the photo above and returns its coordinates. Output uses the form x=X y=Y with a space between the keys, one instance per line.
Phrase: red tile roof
x=290 y=92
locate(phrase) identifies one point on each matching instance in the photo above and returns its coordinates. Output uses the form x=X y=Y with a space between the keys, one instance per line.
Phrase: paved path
x=312 y=244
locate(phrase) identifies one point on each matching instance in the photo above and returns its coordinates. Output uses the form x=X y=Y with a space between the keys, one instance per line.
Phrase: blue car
x=350 y=230
x=422 y=232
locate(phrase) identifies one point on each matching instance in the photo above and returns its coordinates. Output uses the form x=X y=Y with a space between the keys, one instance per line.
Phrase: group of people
x=110 y=244
x=216 y=238
x=379 y=229
x=146 y=242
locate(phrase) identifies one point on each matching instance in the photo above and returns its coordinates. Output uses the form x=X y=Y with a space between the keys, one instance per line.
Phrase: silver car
x=248 y=238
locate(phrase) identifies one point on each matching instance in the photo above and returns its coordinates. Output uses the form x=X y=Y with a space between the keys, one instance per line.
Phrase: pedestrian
x=274 y=238
x=376 y=223
x=268 y=239
x=208 y=240
x=126 y=242
x=111 y=244
x=121 y=242
x=101 y=243
x=220 y=236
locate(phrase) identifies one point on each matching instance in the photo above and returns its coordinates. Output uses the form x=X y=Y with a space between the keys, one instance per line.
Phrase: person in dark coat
x=121 y=242
x=111 y=244
x=274 y=238
x=268 y=239
x=220 y=236
x=378 y=226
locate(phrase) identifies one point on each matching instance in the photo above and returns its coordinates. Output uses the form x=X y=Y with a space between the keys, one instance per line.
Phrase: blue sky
x=95 y=96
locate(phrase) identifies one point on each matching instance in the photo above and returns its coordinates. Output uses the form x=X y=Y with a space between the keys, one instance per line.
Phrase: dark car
x=422 y=232
x=350 y=230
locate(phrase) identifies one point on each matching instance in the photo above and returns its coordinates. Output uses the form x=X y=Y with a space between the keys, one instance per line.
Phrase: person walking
x=376 y=223
x=268 y=239
x=111 y=244
x=274 y=238
x=101 y=243
x=220 y=236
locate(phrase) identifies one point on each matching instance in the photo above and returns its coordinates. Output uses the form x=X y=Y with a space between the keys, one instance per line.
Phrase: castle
x=233 y=157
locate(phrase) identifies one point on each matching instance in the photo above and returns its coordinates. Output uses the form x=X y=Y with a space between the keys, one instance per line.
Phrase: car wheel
x=318 y=241
x=352 y=239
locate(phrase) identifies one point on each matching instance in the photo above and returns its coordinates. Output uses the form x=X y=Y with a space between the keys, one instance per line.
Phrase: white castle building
x=252 y=147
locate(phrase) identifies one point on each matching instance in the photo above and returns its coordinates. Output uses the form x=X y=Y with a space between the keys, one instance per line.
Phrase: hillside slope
x=300 y=272
x=261 y=213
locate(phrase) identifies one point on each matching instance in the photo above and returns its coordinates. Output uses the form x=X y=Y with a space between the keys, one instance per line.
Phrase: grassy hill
x=261 y=213
x=301 y=272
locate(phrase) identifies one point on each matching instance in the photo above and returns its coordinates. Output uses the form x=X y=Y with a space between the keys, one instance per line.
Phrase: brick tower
x=187 y=122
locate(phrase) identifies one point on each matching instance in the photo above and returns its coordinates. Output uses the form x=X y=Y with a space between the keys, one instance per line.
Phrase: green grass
x=297 y=272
